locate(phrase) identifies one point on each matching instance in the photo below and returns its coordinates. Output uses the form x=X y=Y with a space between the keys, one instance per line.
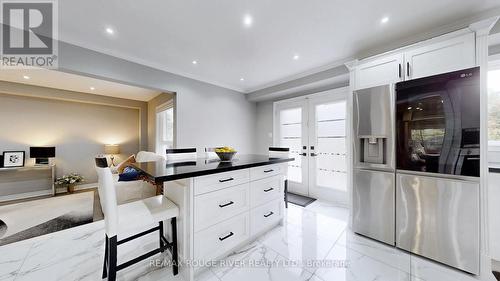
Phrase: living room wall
x=77 y=129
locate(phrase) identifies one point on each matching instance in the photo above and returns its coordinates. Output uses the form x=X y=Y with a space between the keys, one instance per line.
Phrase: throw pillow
x=129 y=174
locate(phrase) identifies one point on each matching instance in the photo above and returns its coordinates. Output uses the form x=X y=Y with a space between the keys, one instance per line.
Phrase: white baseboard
x=25 y=195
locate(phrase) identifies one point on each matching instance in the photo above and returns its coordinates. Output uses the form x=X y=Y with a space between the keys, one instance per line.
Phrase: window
x=494 y=103
x=494 y=112
x=164 y=128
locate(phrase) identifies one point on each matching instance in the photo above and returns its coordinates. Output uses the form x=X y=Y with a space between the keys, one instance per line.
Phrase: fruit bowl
x=225 y=153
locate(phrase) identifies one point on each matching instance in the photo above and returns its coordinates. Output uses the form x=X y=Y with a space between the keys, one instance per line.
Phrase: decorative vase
x=71 y=188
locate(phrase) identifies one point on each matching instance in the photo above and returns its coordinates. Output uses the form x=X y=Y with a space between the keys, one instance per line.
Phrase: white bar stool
x=120 y=218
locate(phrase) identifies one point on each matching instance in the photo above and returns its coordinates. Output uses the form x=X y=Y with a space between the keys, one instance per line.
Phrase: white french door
x=314 y=128
x=291 y=131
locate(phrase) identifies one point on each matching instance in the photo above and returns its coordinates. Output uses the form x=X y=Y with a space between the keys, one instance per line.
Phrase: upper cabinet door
x=380 y=71
x=441 y=57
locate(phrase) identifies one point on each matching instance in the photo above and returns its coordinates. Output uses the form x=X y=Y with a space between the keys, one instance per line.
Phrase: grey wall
x=50 y=93
x=207 y=115
x=77 y=130
x=264 y=137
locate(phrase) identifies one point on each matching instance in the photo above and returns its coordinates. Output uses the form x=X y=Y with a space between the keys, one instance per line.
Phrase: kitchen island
x=223 y=205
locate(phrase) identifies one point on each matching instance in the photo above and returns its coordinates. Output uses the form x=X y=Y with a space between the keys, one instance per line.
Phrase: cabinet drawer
x=264 y=216
x=258 y=173
x=218 y=181
x=222 y=237
x=213 y=207
x=265 y=190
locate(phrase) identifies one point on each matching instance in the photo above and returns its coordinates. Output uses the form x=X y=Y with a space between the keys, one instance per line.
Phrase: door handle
x=226 y=180
x=227 y=204
x=268 y=215
x=408 y=69
x=227 y=236
x=269 y=189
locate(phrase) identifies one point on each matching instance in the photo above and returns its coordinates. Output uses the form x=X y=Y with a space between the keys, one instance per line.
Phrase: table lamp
x=42 y=154
x=112 y=150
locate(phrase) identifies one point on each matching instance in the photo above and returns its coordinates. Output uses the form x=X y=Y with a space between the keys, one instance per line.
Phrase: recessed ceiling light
x=247 y=20
x=242 y=79
x=296 y=57
x=109 y=30
x=26 y=77
x=384 y=20
x=92 y=88
x=194 y=62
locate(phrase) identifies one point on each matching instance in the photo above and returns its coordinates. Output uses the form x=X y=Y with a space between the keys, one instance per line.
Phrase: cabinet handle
x=227 y=236
x=303 y=154
x=408 y=69
x=270 y=214
x=225 y=180
x=399 y=65
x=268 y=171
x=314 y=154
x=269 y=189
x=227 y=204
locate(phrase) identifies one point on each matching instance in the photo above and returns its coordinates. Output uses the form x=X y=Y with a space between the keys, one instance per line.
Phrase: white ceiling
x=170 y=34
x=77 y=83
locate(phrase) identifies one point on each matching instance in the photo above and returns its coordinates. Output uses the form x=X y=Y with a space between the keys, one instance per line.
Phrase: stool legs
x=105 y=265
x=110 y=266
x=110 y=269
x=175 y=257
x=160 y=224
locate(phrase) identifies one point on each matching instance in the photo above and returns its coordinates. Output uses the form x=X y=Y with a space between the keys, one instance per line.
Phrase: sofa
x=129 y=191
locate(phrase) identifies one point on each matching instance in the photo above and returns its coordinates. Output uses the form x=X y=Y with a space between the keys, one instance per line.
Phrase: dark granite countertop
x=161 y=171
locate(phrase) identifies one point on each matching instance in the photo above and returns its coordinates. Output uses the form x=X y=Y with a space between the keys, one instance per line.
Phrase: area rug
x=42 y=216
x=299 y=200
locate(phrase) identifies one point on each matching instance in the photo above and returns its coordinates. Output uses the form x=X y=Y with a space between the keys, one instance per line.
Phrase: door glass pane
x=331 y=129
x=330 y=148
x=291 y=137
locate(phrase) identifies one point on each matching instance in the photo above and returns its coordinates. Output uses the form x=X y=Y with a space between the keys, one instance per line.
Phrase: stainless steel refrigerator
x=374 y=163
x=437 y=176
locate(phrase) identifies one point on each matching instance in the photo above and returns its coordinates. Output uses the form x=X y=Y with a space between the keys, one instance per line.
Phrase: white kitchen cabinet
x=494 y=208
x=380 y=71
x=435 y=56
x=440 y=57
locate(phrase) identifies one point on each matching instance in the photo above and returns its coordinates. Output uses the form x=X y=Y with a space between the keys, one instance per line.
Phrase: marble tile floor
x=314 y=243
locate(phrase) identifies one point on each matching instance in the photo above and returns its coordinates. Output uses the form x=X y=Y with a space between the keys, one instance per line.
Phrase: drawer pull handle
x=225 y=180
x=227 y=204
x=268 y=215
x=269 y=189
x=268 y=171
x=227 y=236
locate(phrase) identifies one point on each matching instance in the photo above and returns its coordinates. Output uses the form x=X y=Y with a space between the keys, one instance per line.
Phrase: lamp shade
x=111 y=149
x=42 y=152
